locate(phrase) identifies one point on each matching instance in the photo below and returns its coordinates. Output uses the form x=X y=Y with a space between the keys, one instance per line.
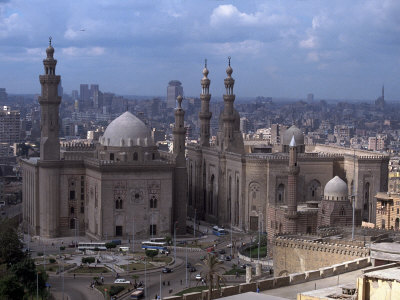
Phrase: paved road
x=78 y=288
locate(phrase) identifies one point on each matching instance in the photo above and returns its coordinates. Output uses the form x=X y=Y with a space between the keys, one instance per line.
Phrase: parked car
x=229 y=246
x=164 y=252
x=122 y=280
x=228 y=258
x=198 y=277
x=188 y=265
x=166 y=270
x=245 y=265
x=192 y=269
x=222 y=258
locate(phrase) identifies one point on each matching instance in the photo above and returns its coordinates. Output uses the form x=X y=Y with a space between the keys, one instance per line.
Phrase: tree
x=10 y=244
x=10 y=288
x=25 y=272
x=110 y=245
x=88 y=260
x=151 y=253
x=212 y=266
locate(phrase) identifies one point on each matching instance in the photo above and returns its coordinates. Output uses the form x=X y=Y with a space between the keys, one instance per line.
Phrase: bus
x=154 y=245
x=91 y=246
x=219 y=231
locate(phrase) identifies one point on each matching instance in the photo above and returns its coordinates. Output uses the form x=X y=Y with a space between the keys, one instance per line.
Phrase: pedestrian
x=102 y=279
x=168 y=283
x=163 y=283
x=181 y=281
x=155 y=296
x=74 y=275
x=258 y=289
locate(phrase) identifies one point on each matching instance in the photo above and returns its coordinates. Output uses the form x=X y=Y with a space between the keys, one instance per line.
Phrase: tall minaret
x=383 y=93
x=49 y=102
x=180 y=178
x=292 y=188
x=205 y=114
x=228 y=113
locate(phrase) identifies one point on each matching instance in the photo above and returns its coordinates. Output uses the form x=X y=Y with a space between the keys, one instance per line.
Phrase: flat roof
x=252 y=295
x=388 y=274
x=330 y=292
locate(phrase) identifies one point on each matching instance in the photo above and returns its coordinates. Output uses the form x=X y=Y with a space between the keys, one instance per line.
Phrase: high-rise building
x=9 y=125
x=75 y=95
x=84 y=96
x=310 y=98
x=3 y=95
x=173 y=90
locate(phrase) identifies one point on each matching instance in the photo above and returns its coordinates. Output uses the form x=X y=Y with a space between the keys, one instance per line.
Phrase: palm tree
x=211 y=267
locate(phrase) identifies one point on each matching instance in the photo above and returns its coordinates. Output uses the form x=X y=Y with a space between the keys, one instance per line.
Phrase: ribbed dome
x=289 y=133
x=127 y=130
x=336 y=189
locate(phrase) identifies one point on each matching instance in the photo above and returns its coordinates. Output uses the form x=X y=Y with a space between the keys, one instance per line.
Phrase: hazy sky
x=335 y=49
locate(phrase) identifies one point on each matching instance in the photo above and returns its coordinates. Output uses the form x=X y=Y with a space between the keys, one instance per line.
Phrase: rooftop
x=387 y=274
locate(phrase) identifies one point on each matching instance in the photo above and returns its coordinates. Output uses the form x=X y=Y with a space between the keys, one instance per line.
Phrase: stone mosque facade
x=119 y=187
x=294 y=189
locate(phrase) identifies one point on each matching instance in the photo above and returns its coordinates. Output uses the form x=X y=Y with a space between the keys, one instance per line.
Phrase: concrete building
x=3 y=96
x=281 y=190
x=84 y=96
x=174 y=89
x=10 y=125
x=387 y=211
x=105 y=190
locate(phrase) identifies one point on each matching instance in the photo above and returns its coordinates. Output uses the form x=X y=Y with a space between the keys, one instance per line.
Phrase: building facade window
x=71 y=195
x=118 y=203
x=153 y=229
x=153 y=202
x=118 y=230
x=72 y=224
x=72 y=210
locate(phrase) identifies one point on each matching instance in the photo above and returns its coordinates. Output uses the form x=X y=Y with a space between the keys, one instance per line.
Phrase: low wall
x=277 y=282
x=263 y=262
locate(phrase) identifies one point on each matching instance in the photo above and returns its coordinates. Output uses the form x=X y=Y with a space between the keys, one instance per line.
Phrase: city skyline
x=282 y=50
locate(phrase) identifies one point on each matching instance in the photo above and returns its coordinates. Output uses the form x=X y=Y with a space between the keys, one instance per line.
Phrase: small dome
x=295 y=132
x=205 y=72
x=336 y=189
x=50 y=51
x=229 y=71
x=127 y=130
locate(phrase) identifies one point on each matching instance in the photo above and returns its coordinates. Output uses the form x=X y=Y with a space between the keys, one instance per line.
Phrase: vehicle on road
x=165 y=252
x=210 y=249
x=246 y=265
x=154 y=245
x=188 y=265
x=91 y=246
x=229 y=246
x=123 y=249
x=222 y=251
x=137 y=294
x=219 y=231
x=192 y=269
x=198 y=277
x=122 y=280
x=228 y=258
x=166 y=270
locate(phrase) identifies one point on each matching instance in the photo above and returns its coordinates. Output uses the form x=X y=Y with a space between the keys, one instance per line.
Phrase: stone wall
x=295 y=255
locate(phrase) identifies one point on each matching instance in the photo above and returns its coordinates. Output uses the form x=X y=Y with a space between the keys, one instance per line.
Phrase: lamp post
x=145 y=277
x=133 y=235
x=194 y=224
x=186 y=265
x=175 y=240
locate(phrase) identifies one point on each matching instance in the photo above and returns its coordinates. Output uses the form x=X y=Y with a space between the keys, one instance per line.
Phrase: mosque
x=295 y=188
x=125 y=186
x=120 y=187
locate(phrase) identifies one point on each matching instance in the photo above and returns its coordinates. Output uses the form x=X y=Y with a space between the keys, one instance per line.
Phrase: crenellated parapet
x=77 y=146
x=320 y=246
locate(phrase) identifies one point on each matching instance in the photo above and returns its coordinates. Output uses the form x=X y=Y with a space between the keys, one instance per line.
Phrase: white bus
x=162 y=246
x=91 y=246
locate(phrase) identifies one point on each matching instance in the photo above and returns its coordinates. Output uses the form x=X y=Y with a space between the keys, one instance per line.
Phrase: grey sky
x=335 y=49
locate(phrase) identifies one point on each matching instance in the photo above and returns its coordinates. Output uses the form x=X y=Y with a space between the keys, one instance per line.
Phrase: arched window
x=118 y=203
x=342 y=211
x=153 y=202
x=135 y=156
x=111 y=156
x=211 y=195
x=280 y=193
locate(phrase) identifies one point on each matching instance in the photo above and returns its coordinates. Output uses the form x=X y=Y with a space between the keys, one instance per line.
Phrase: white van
x=123 y=249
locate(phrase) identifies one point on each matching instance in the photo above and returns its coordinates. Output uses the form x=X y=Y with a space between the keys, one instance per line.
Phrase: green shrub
x=88 y=260
x=52 y=260
x=111 y=245
x=62 y=248
x=151 y=253
x=115 y=289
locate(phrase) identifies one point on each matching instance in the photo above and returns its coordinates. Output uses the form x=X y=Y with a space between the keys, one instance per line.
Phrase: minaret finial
x=229 y=61
x=205 y=63
x=50 y=38
x=179 y=99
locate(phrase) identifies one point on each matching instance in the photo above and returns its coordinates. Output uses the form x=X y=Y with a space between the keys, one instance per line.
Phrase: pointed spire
x=205 y=70
x=292 y=142
x=179 y=99
x=50 y=38
x=229 y=69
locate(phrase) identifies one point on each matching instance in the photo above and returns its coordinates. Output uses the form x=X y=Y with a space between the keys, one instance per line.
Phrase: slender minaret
x=383 y=93
x=49 y=105
x=180 y=178
x=205 y=114
x=228 y=113
x=292 y=187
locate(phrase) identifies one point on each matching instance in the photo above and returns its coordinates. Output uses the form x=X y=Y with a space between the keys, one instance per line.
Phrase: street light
x=194 y=224
x=175 y=240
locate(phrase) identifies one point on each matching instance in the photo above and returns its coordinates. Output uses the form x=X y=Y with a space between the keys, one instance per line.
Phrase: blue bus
x=219 y=231
x=154 y=245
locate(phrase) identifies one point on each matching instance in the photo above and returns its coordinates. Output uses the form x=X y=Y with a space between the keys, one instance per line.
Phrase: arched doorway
x=280 y=194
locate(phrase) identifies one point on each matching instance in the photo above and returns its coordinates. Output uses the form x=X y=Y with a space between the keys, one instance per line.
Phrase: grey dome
x=290 y=132
x=336 y=189
x=127 y=130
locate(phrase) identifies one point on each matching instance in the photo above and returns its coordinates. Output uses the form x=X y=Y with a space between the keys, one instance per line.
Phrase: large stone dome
x=127 y=130
x=336 y=189
x=290 y=132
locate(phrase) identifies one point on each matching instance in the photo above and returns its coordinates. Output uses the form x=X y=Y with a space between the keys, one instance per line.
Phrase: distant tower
x=205 y=114
x=294 y=170
x=228 y=114
x=380 y=101
x=180 y=178
x=49 y=103
x=174 y=89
